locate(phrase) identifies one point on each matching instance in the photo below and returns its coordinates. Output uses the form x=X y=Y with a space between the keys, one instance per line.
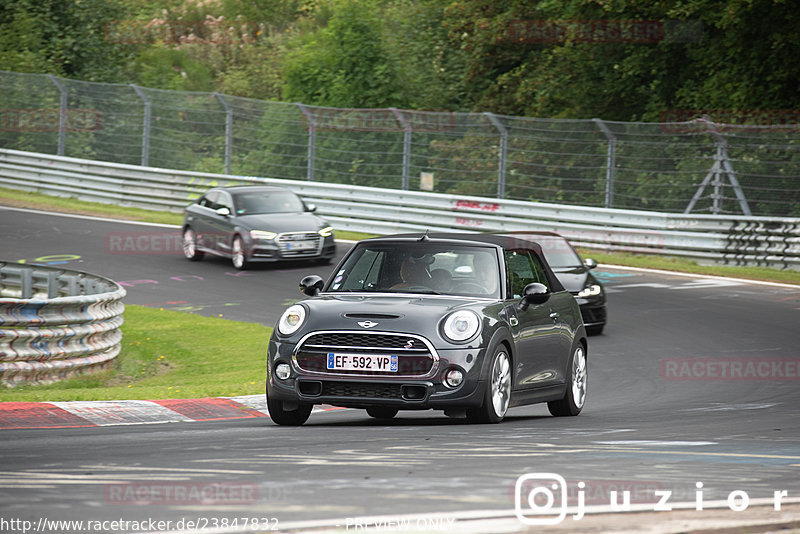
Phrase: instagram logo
x=535 y=495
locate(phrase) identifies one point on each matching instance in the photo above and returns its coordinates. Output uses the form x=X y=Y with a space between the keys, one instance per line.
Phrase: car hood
x=386 y=313
x=572 y=278
x=282 y=222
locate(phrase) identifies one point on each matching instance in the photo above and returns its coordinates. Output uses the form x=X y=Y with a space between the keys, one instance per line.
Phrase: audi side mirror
x=311 y=285
x=590 y=263
x=224 y=212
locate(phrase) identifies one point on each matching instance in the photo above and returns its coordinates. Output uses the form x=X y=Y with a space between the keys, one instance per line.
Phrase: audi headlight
x=291 y=320
x=461 y=325
x=326 y=232
x=590 y=291
x=261 y=234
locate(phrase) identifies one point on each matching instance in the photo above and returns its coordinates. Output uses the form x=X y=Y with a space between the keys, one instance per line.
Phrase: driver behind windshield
x=414 y=272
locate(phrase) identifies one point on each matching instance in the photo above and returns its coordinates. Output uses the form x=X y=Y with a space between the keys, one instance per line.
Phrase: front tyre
x=287 y=417
x=498 y=390
x=575 y=397
x=190 y=251
x=238 y=255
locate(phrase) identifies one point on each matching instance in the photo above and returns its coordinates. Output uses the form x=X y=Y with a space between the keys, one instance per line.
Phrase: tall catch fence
x=676 y=167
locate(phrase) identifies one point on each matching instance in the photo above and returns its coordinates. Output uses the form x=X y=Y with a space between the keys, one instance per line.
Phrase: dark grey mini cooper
x=472 y=324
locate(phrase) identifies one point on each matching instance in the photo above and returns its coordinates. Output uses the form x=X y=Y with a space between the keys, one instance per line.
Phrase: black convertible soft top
x=506 y=242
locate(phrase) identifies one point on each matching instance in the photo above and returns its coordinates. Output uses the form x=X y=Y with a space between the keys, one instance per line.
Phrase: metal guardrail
x=56 y=323
x=739 y=240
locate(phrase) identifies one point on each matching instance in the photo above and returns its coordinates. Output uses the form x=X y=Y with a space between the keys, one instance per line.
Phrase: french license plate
x=362 y=362
x=300 y=245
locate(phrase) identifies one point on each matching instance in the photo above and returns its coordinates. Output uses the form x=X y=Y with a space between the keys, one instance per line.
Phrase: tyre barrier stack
x=56 y=323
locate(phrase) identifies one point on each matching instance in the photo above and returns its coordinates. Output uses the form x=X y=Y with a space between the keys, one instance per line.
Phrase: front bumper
x=593 y=315
x=402 y=392
x=271 y=250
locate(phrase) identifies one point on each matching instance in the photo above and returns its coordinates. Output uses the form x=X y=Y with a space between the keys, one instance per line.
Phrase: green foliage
x=61 y=37
x=169 y=68
x=453 y=55
x=344 y=64
x=711 y=55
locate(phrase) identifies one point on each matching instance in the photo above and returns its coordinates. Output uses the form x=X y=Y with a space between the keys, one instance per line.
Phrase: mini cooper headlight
x=590 y=291
x=461 y=325
x=261 y=234
x=291 y=320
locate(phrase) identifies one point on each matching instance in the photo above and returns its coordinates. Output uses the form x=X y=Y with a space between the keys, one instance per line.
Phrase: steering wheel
x=470 y=287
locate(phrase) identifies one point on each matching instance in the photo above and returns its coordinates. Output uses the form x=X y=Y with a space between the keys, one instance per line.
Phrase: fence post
x=146 y=127
x=501 y=170
x=611 y=158
x=228 y=131
x=312 y=139
x=406 y=180
x=62 y=115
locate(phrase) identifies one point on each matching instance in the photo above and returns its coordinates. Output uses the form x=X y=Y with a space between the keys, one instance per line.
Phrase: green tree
x=62 y=37
x=344 y=63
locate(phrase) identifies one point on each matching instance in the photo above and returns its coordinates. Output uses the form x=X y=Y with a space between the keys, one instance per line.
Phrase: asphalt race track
x=695 y=380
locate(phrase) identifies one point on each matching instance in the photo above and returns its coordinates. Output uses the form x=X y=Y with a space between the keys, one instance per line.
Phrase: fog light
x=453 y=378
x=282 y=371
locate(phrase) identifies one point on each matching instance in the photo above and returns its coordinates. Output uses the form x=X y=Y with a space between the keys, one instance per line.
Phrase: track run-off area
x=693 y=402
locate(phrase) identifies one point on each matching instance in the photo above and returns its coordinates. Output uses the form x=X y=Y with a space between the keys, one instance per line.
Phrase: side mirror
x=311 y=285
x=590 y=263
x=311 y=208
x=224 y=212
x=535 y=293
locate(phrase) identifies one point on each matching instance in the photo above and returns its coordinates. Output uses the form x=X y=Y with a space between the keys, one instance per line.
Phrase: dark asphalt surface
x=645 y=425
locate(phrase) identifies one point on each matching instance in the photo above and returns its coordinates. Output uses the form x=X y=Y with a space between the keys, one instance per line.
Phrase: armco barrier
x=738 y=240
x=56 y=323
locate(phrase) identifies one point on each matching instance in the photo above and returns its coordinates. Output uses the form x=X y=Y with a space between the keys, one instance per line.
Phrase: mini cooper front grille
x=362 y=390
x=414 y=356
x=365 y=340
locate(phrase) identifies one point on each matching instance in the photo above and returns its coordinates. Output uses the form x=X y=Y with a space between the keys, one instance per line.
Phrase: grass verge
x=168 y=354
x=24 y=199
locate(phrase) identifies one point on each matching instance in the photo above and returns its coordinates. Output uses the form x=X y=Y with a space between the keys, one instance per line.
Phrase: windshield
x=267 y=202
x=558 y=252
x=420 y=268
